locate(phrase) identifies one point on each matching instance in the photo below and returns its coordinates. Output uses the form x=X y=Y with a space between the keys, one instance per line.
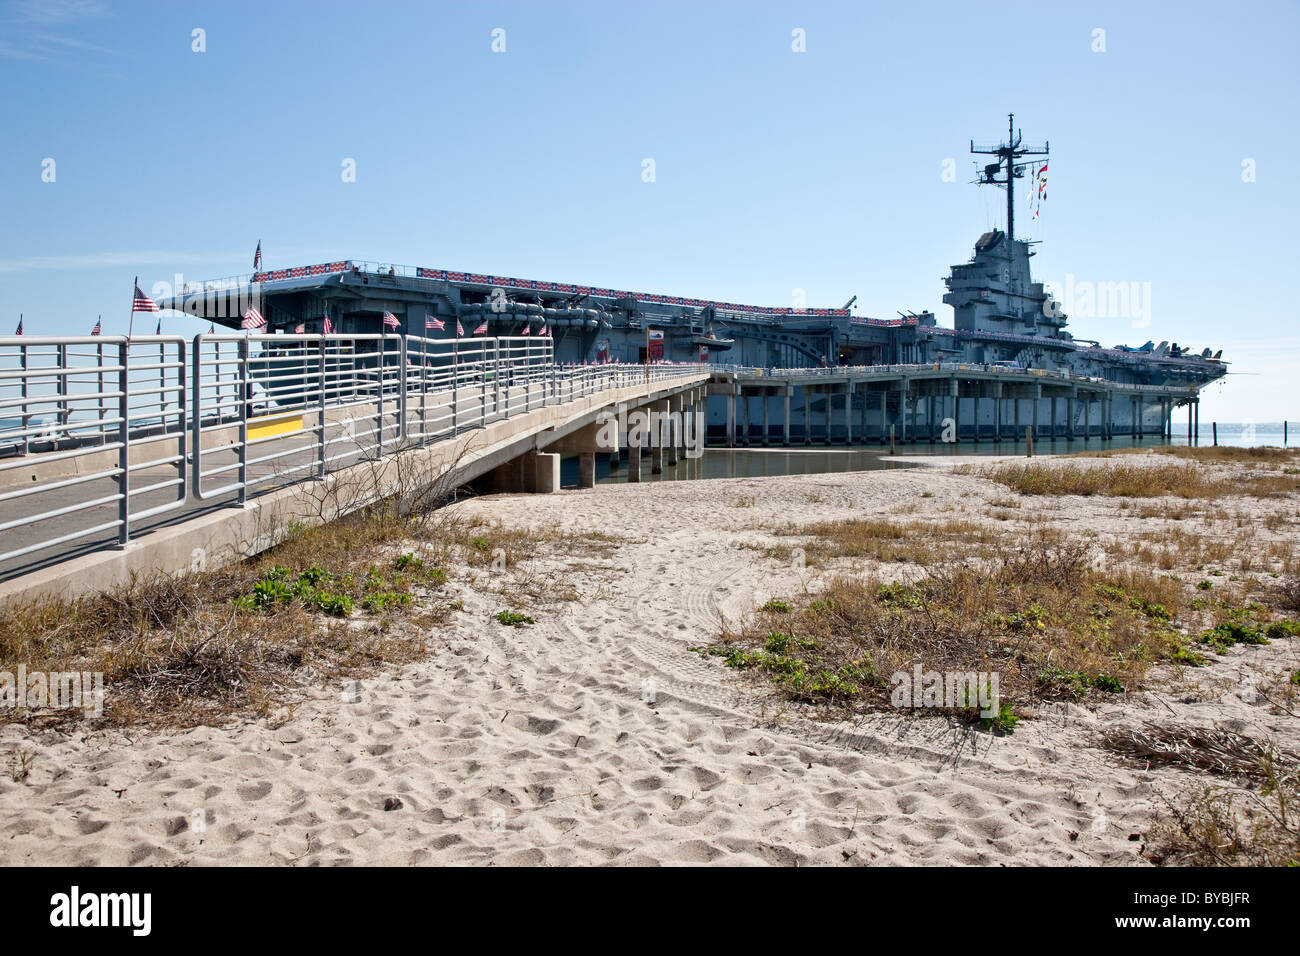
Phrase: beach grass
x=1135 y=479
x=1036 y=612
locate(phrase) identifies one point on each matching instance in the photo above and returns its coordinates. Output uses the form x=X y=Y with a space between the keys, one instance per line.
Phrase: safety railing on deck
x=888 y=371
x=112 y=434
x=99 y=435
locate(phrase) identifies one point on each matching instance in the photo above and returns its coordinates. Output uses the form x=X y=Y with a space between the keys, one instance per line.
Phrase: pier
x=124 y=456
x=936 y=402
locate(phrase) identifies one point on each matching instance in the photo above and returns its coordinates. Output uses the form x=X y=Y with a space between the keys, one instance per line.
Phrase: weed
x=513 y=619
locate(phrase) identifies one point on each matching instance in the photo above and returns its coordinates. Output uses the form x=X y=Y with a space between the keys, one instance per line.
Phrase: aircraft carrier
x=1003 y=319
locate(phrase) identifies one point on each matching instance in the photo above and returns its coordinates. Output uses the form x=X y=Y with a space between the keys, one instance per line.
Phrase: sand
x=596 y=736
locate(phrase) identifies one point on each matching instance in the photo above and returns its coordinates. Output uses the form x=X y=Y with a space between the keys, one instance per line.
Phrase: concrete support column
x=767 y=434
x=1196 y=405
x=1141 y=426
x=902 y=411
x=657 y=438
x=587 y=470
x=848 y=413
x=975 y=417
x=731 y=418
x=1069 y=419
x=785 y=427
x=674 y=428
x=807 y=415
x=546 y=472
x=634 y=462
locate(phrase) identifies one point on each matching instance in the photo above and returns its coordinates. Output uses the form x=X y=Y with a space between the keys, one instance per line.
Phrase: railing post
x=496 y=378
x=182 y=406
x=22 y=358
x=320 y=417
x=483 y=378
x=99 y=364
x=455 y=385
x=245 y=392
x=401 y=399
x=63 y=390
x=124 y=440
x=379 y=397
x=424 y=389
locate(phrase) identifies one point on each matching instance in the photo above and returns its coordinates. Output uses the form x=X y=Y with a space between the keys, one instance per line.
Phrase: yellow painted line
x=274 y=425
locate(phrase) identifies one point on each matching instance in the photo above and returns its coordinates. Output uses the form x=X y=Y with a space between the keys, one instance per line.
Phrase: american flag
x=525 y=331
x=98 y=328
x=482 y=329
x=437 y=325
x=299 y=329
x=390 y=320
x=257 y=256
x=253 y=320
x=142 y=302
x=542 y=331
x=19 y=330
x=460 y=329
x=212 y=328
x=329 y=326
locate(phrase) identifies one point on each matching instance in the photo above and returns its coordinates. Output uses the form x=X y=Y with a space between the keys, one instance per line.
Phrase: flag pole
x=130 y=326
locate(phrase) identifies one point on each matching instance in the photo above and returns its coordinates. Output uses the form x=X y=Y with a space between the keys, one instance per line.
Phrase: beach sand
x=597 y=736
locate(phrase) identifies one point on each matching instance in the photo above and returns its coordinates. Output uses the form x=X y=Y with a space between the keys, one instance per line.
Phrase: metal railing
x=890 y=371
x=95 y=427
x=99 y=435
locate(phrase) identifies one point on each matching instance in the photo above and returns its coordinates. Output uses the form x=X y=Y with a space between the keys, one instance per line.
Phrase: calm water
x=797 y=460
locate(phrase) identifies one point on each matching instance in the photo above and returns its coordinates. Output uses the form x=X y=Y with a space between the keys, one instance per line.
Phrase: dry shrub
x=884 y=540
x=177 y=650
x=1036 y=613
x=1122 y=479
x=1250 y=823
x=1208 y=749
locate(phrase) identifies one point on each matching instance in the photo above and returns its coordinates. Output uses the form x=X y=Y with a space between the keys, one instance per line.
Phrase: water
x=772 y=461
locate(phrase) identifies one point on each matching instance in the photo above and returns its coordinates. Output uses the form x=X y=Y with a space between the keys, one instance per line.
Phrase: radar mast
x=1008 y=154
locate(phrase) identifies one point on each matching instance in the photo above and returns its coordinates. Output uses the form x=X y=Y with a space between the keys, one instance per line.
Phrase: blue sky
x=775 y=170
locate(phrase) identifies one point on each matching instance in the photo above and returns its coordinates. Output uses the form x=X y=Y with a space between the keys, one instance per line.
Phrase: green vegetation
x=1282 y=628
x=513 y=619
x=1037 y=614
x=797 y=667
x=318 y=589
